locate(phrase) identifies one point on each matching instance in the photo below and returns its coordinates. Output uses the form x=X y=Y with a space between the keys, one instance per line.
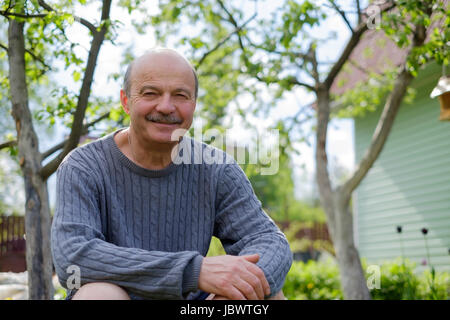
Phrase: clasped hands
x=233 y=277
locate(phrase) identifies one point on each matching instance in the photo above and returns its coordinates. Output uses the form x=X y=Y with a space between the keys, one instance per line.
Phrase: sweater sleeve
x=244 y=228
x=77 y=240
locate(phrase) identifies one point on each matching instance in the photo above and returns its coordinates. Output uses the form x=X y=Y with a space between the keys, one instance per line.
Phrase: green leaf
x=76 y=76
x=115 y=115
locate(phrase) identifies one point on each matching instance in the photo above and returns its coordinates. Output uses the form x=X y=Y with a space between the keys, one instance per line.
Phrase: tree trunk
x=353 y=280
x=336 y=207
x=37 y=213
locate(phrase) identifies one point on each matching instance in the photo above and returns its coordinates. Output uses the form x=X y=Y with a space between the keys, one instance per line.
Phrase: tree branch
x=61 y=145
x=301 y=111
x=290 y=80
x=220 y=43
x=230 y=16
x=47 y=7
x=295 y=81
x=6 y=13
x=82 y=21
x=342 y=13
x=4 y=47
x=387 y=117
x=359 y=13
x=353 y=42
x=77 y=124
x=8 y=144
x=31 y=53
x=315 y=68
x=36 y=58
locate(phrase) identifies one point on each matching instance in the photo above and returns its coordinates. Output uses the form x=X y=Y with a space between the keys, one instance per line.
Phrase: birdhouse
x=442 y=90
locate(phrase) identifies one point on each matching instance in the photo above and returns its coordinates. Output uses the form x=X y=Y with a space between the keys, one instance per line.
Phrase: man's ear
x=124 y=101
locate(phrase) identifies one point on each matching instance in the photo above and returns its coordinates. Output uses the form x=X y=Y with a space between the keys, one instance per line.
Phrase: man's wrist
x=191 y=274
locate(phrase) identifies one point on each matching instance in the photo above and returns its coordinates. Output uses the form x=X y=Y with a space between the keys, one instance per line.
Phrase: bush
x=320 y=280
x=440 y=290
x=313 y=281
x=398 y=281
x=60 y=293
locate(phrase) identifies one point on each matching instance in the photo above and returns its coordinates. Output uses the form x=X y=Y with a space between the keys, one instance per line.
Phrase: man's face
x=162 y=96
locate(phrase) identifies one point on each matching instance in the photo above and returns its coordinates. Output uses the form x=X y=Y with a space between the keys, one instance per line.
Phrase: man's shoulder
x=87 y=156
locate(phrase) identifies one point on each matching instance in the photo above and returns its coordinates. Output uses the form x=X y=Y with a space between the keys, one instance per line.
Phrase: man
x=138 y=223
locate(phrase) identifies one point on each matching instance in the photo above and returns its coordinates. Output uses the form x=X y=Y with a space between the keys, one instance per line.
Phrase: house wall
x=409 y=184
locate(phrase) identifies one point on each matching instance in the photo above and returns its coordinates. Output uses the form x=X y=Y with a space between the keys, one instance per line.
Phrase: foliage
x=46 y=42
x=369 y=95
x=60 y=293
x=399 y=26
x=277 y=49
x=302 y=211
x=399 y=281
x=280 y=202
x=275 y=200
x=313 y=281
x=434 y=286
x=215 y=248
x=51 y=54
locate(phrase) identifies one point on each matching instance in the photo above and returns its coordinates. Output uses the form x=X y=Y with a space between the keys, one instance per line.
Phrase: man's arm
x=245 y=229
x=77 y=239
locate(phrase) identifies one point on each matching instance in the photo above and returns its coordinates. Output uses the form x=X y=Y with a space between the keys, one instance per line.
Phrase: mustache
x=167 y=119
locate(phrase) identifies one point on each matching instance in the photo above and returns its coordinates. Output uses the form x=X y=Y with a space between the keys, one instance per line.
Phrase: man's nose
x=165 y=104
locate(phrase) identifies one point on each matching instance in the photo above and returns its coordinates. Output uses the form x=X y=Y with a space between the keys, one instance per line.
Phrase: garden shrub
x=398 y=281
x=313 y=281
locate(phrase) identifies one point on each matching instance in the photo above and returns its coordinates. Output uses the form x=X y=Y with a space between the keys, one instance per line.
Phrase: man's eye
x=149 y=93
x=181 y=95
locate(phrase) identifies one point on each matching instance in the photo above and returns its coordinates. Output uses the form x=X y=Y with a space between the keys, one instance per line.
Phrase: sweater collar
x=124 y=160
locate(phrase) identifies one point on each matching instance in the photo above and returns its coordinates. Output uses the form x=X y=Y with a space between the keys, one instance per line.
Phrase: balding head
x=152 y=56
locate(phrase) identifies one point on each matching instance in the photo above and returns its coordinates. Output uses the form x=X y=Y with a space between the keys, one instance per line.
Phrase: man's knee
x=101 y=291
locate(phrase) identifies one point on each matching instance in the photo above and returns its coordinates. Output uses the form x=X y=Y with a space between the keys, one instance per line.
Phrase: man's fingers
x=254 y=269
x=255 y=283
x=254 y=258
x=234 y=294
x=246 y=289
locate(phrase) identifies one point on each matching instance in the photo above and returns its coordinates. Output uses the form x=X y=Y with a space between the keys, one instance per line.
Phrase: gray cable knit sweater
x=148 y=230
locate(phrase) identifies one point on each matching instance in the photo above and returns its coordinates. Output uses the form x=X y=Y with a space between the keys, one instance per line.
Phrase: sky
x=340 y=134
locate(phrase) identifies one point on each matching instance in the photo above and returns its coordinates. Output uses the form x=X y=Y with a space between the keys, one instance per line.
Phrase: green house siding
x=409 y=184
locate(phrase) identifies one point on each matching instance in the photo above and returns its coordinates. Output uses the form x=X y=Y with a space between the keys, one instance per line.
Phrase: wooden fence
x=12 y=244
x=312 y=231
x=308 y=240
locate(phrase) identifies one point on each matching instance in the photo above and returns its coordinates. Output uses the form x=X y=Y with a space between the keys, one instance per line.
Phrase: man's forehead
x=162 y=63
x=160 y=58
